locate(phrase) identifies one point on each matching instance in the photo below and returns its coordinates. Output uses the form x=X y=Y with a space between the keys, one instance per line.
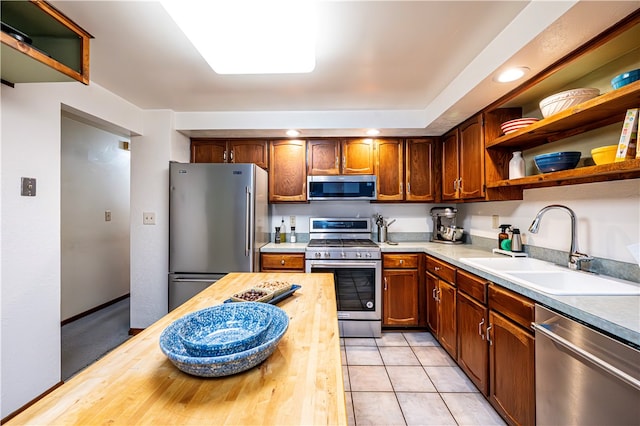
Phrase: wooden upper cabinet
x=450 y=173
x=340 y=157
x=419 y=170
x=287 y=175
x=324 y=157
x=44 y=45
x=389 y=163
x=471 y=158
x=248 y=151
x=230 y=151
x=204 y=151
x=357 y=157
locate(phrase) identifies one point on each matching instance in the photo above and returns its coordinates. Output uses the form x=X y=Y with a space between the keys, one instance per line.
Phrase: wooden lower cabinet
x=282 y=262
x=402 y=291
x=432 y=304
x=473 y=348
x=447 y=322
x=400 y=297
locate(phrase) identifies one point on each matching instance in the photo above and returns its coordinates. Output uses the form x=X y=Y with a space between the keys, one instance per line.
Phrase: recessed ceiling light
x=373 y=132
x=293 y=133
x=250 y=37
x=511 y=74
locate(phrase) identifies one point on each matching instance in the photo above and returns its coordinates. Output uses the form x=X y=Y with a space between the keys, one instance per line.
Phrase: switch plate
x=495 y=221
x=148 y=218
x=292 y=221
x=28 y=188
x=107 y=215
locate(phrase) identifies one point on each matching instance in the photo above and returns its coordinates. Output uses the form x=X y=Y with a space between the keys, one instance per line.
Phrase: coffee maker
x=444 y=226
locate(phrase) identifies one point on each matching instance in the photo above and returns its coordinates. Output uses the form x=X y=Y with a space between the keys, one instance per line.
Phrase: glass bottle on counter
x=283 y=232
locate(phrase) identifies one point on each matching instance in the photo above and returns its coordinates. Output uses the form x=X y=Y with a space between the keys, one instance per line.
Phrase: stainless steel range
x=343 y=247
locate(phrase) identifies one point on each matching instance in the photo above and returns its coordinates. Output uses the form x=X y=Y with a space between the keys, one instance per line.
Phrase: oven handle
x=339 y=264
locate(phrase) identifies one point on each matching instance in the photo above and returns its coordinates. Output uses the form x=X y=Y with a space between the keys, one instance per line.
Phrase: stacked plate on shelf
x=225 y=339
x=517 y=124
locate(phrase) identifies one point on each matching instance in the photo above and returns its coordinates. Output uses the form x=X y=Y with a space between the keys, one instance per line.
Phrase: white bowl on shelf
x=561 y=101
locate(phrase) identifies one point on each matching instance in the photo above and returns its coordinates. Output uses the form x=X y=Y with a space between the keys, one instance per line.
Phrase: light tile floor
x=406 y=378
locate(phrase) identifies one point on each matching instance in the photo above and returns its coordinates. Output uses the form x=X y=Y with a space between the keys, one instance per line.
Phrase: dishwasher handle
x=581 y=353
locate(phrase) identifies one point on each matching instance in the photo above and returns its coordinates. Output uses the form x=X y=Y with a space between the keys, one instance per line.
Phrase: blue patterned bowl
x=225 y=365
x=224 y=329
x=556 y=161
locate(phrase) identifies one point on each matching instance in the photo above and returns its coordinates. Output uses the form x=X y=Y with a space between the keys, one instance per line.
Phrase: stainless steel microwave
x=341 y=187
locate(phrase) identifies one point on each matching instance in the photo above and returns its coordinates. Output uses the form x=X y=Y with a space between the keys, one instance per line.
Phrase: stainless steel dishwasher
x=583 y=377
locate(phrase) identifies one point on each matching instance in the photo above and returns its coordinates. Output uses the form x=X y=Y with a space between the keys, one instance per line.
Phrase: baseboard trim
x=96 y=309
x=135 y=331
x=30 y=403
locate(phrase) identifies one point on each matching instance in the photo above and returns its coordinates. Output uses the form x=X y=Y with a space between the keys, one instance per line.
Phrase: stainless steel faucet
x=575 y=257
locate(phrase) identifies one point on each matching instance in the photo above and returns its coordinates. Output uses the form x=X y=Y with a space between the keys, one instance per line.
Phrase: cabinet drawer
x=518 y=308
x=441 y=269
x=400 y=261
x=472 y=285
x=282 y=261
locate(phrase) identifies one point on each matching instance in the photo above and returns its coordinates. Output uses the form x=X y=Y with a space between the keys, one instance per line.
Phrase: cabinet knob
x=282 y=262
x=401 y=261
x=436 y=268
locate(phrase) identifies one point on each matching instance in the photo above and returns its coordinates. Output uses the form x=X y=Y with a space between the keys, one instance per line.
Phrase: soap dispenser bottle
x=503 y=235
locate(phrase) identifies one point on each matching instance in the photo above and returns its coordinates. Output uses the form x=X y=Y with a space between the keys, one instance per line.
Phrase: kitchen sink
x=551 y=278
x=494 y=264
x=565 y=282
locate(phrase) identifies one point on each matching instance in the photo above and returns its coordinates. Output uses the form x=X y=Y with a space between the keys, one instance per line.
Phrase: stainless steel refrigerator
x=218 y=221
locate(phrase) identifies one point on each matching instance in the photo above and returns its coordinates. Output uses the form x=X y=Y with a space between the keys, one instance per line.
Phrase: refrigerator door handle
x=247 y=224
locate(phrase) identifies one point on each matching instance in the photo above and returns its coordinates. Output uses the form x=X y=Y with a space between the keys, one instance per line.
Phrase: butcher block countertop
x=301 y=383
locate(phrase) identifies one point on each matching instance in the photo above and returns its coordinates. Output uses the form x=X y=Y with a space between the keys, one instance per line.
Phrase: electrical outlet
x=107 y=215
x=495 y=221
x=292 y=221
x=148 y=218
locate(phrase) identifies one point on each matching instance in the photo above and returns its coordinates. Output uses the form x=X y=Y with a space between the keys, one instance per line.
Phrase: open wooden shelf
x=603 y=110
x=629 y=169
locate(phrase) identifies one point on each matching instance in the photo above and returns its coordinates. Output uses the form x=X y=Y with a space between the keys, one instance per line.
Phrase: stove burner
x=334 y=242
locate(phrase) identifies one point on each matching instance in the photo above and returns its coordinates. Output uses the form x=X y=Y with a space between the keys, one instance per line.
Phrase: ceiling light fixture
x=511 y=74
x=293 y=133
x=250 y=36
x=373 y=132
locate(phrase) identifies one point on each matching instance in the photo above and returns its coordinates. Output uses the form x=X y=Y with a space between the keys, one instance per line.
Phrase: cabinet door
x=512 y=367
x=324 y=157
x=473 y=349
x=400 y=294
x=287 y=177
x=248 y=151
x=450 y=172
x=357 y=157
x=419 y=170
x=203 y=151
x=389 y=156
x=432 y=304
x=447 y=334
x=471 y=158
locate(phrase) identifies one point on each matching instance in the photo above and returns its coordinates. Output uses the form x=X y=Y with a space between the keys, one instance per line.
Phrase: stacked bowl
x=557 y=161
x=225 y=339
x=561 y=101
x=517 y=124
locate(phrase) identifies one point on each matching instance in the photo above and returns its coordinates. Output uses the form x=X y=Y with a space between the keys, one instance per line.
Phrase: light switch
x=28 y=187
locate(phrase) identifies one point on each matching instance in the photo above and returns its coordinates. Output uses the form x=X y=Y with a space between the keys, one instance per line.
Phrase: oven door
x=358 y=287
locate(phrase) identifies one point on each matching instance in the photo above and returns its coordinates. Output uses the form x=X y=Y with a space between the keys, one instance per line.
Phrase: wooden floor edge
x=135 y=331
x=30 y=403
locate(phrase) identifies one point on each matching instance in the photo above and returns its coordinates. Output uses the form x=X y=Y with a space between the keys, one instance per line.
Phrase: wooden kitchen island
x=301 y=383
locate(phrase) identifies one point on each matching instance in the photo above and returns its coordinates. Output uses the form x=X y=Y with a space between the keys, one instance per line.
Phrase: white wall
x=608 y=218
x=30 y=227
x=95 y=252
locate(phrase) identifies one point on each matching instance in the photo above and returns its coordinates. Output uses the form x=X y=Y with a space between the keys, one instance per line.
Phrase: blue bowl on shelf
x=625 y=78
x=556 y=161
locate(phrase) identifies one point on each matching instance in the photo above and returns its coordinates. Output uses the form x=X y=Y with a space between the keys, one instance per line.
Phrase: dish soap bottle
x=503 y=234
x=283 y=232
x=516 y=166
